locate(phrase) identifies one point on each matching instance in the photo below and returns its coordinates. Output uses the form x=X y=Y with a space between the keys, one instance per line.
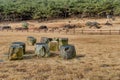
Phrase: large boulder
x=6 y=27
x=21 y=28
x=43 y=27
x=54 y=46
x=63 y=41
x=67 y=52
x=45 y=40
x=15 y=52
x=31 y=40
x=42 y=50
x=20 y=44
x=55 y=39
x=68 y=26
x=93 y=24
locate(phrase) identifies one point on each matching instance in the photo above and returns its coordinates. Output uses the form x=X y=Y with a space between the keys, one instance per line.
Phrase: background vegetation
x=14 y=10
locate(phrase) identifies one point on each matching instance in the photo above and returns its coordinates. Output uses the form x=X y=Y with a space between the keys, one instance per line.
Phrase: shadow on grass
x=80 y=56
x=54 y=54
x=29 y=55
x=30 y=52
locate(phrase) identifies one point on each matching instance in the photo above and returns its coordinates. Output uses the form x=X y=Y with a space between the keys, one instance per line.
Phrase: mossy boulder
x=20 y=44
x=31 y=40
x=67 y=51
x=15 y=52
x=45 y=40
x=42 y=50
x=55 y=39
x=63 y=41
x=43 y=27
x=54 y=46
x=93 y=24
x=69 y=26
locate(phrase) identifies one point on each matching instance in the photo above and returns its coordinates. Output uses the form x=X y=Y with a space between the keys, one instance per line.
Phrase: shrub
x=25 y=25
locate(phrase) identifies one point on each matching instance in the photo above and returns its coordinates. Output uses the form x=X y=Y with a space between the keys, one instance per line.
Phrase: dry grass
x=97 y=55
x=97 y=59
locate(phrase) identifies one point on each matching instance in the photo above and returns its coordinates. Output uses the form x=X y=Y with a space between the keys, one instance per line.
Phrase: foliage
x=25 y=25
x=46 y=9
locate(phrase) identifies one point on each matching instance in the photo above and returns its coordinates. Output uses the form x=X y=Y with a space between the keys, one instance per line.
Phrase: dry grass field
x=98 y=58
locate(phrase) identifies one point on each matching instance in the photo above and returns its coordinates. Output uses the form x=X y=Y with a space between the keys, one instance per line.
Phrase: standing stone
x=56 y=39
x=42 y=50
x=45 y=40
x=20 y=44
x=15 y=52
x=63 y=41
x=31 y=40
x=54 y=46
x=67 y=52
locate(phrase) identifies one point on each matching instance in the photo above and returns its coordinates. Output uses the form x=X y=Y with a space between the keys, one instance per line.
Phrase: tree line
x=16 y=10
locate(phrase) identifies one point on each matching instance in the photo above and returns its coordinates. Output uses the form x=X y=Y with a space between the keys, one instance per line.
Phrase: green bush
x=42 y=9
x=25 y=25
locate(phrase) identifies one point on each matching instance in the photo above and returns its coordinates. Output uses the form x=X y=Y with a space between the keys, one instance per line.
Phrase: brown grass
x=97 y=55
x=97 y=59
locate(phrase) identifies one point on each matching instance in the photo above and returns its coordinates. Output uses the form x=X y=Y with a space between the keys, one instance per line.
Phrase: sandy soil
x=97 y=59
x=97 y=55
